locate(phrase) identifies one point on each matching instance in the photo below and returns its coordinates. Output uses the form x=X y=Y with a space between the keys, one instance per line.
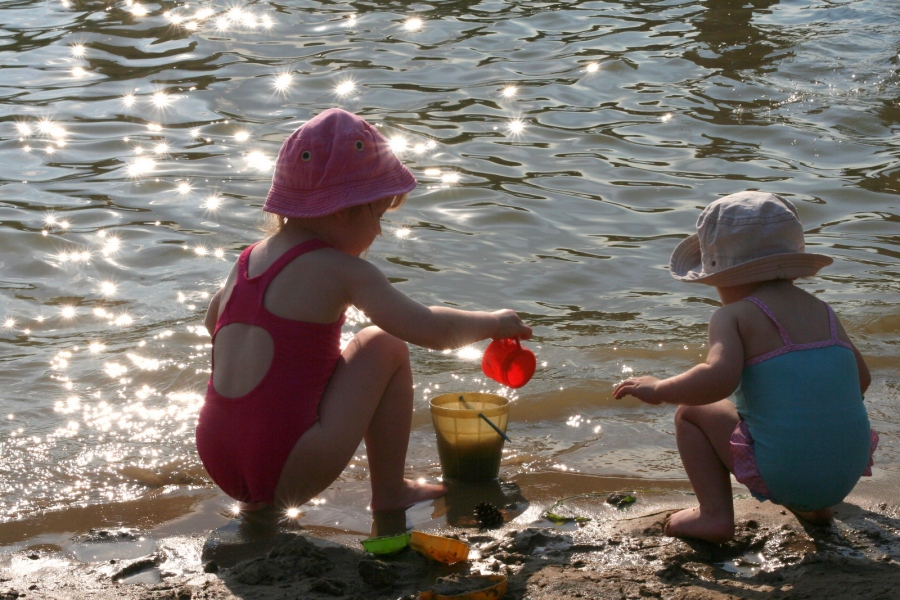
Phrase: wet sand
x=618 y=553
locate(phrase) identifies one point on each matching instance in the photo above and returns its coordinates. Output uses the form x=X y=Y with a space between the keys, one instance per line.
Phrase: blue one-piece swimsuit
x=804 y=411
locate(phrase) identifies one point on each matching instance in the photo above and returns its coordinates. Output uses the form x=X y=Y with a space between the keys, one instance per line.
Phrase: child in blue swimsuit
x=797 y=433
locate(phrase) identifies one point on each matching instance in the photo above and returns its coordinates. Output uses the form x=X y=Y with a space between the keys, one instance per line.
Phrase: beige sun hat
x=745 y=238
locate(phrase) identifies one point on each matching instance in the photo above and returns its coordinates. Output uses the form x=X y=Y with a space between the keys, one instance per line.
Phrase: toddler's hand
x=509 y=325
x=642 y=388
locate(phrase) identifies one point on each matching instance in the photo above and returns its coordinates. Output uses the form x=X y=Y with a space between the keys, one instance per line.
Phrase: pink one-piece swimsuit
x=245 y=441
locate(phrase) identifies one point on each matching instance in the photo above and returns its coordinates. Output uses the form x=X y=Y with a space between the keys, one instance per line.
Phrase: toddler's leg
x=703 y=434
x=368 y=396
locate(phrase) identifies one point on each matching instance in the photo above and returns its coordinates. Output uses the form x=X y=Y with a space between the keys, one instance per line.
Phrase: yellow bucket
x=468 y=447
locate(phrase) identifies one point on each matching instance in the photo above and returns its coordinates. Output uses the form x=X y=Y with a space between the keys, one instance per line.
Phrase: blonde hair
x=273 y=223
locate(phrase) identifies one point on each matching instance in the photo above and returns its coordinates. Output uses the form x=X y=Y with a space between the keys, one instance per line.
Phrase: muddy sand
x=620 y=554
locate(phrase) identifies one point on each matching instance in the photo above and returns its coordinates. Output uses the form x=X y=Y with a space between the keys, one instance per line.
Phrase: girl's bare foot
x=694 y=523
x=409 y=493
x=814 y=517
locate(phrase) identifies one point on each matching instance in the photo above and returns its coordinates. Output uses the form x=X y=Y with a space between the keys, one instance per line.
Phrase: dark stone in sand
x=620 y=498
x=332 y=587
x=133 y=567
x=376 y=573
x=524 y=542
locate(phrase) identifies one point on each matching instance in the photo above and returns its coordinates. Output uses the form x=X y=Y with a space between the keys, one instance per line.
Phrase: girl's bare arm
x=708 y=382
x=435 y=327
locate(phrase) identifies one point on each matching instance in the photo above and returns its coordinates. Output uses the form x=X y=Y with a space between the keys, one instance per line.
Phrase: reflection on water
x=562 y=149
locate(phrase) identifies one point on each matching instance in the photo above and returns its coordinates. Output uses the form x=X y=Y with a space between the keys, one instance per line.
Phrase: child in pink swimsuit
x=286 y=407
x=797 y=433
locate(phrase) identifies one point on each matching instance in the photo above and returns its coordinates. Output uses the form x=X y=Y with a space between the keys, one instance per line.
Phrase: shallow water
x=563 y=149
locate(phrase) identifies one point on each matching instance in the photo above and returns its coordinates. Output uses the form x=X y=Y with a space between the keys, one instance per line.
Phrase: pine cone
x=488 y=515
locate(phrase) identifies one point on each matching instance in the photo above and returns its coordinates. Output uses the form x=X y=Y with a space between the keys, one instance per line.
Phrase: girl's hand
x=509 y=325
x=642 y=388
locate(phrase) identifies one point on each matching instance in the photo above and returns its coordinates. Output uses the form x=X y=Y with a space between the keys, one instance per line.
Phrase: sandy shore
x=619 y=553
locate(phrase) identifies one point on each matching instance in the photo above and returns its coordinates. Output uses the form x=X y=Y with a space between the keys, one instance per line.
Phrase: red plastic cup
x=507 y=362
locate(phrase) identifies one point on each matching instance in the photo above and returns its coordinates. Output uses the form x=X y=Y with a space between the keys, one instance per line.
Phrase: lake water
x=563 y=149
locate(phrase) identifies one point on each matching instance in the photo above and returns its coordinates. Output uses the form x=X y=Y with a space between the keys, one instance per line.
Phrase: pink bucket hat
x=334 y=161
x=745 y=238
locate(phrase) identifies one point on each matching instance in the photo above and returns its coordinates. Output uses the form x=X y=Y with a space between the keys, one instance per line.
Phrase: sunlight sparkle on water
x=401 y=233
x=345 y=88
x=413 y=24
x=184 y=187
x=283 y=81
x=161 y=148
x=516 y=126
x=67 y=312
x=111 y=246
x=259 y=161
x=450 y=178
x=128 y=100
x=592 y=67
x=398 y=144
x=107 y=288
x=241 y=135
x=141 y=166
x=160 y=99
x=78 y=50
x=510 y=91
x=24 y=129
x=469 y=353
x=9 y=323
x=212 y=203
x=79 y=72
x=292 y=513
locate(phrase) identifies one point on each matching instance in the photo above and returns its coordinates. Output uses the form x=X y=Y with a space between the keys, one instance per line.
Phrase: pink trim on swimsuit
x=790 y=346
x=743 y=458
x=746 y=471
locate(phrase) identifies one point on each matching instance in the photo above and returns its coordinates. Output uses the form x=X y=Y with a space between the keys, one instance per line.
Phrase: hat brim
x=686 y=265
x=325 y=201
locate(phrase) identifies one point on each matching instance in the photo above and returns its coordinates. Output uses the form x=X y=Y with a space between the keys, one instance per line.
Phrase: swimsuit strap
x=279 y=263
x=788 y=345
x=762 y=306
x=249 y=292
x=832 y=323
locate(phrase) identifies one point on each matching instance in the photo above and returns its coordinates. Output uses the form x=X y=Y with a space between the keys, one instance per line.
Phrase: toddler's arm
x=436 y=327
x=705 y=383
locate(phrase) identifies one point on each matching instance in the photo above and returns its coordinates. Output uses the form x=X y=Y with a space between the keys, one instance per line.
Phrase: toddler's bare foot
x=814 y=517
x=409 y=493
x=693 y=523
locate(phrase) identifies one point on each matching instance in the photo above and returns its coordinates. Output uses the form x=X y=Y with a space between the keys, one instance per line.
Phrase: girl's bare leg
x=703 y=434
x=369 y=397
